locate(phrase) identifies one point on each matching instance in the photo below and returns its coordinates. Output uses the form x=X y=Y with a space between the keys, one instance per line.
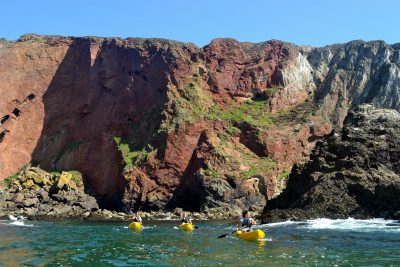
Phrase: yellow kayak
x=186 y=226
x=135 y=226
x=252 y=235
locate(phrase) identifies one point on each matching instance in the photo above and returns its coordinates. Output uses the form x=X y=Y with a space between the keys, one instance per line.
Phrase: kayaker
x=246 y=221
x=185 y=218
x=136 y=217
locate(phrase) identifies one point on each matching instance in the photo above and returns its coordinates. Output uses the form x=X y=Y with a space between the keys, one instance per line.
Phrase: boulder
x=43 y=195
x=5 y=196
x=14 y=184
x=177 y=211
x=62 y=209
x=37 y=179
x=45 y=208
x=58 y=197
x=64 y=182
x=70 y=198
x=30 y=193
x=88 y=203
x=10 y=206
x=28 y=184
x=30 y=202
x=18 y=198
x=30 y=211
x=106 y=214
x=86 y=214
x=13 y=189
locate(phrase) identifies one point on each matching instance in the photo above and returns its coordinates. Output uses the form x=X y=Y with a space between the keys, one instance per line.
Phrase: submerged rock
x=354 y=173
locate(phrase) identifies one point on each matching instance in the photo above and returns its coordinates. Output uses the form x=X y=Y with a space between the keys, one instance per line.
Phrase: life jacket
x=247 y=222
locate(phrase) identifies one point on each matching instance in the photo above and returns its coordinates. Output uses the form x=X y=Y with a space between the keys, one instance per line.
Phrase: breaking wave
x=349 y=224
x=16 y=221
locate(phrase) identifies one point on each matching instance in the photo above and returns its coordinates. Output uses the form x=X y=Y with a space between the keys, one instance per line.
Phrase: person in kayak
x=136 y=218
x=246 y=221
x=185 y=218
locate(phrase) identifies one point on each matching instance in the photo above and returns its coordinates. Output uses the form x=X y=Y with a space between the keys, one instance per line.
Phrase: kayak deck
x=135 y=226
x=252 y=235
x=186 y=226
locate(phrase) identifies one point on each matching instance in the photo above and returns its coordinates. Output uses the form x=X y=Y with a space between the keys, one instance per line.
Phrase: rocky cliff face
x=355 y=73
x=155 y=124
x=353 y=173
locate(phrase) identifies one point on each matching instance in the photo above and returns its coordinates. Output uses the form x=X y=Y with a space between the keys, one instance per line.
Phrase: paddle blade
x=222 y=236
x=196 y=227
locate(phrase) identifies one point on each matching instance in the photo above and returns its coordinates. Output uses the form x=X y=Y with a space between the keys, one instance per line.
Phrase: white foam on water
x=351 y=224
x=285 y=223
x=17 y=221
x=144 y=227
x=20 y=223
x=265 y=239
x=149 y=226
x=12 y=217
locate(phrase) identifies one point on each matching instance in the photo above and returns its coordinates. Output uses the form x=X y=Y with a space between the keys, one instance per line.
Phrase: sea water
x=321 y=242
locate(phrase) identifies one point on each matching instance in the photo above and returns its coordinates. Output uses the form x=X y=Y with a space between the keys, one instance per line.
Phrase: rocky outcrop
x=37 y=193
x=352 y=173
x=146 y=119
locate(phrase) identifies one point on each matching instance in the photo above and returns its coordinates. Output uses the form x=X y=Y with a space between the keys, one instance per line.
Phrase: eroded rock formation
x=155 y=124
x=354 y=173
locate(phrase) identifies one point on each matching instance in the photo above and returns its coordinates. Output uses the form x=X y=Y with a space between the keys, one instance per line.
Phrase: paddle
x=225 y=235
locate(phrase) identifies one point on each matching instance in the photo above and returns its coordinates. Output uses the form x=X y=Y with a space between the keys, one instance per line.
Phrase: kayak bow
x=252 y=235
x=135 y=226
x=186 y=226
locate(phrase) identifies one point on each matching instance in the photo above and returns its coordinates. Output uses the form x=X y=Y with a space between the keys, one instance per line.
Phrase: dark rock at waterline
x=211 y=194
x=354 y=173
x=63 y=197
x=36 y=193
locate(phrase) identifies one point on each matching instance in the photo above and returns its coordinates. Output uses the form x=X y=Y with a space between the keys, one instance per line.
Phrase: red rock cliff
x=156 y=123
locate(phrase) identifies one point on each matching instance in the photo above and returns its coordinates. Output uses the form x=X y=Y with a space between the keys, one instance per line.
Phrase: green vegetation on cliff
x=193 y=104
x=7 y=181
x=131 y=157
x=212 y=173
x=29 y=177
x=189 y=104
x=252 y=112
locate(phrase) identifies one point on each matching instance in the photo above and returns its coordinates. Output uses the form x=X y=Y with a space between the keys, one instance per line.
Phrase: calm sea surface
x=320 y=242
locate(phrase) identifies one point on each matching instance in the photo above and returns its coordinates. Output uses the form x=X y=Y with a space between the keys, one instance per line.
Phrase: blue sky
x=304 y=22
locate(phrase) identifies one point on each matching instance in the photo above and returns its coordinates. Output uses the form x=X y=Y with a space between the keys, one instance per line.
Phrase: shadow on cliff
x=90 y=102
x=71 y=136
x=55 y=100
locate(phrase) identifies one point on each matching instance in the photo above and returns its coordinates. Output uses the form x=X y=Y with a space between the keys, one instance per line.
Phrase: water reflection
x=14 y=246
x=261 y=247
